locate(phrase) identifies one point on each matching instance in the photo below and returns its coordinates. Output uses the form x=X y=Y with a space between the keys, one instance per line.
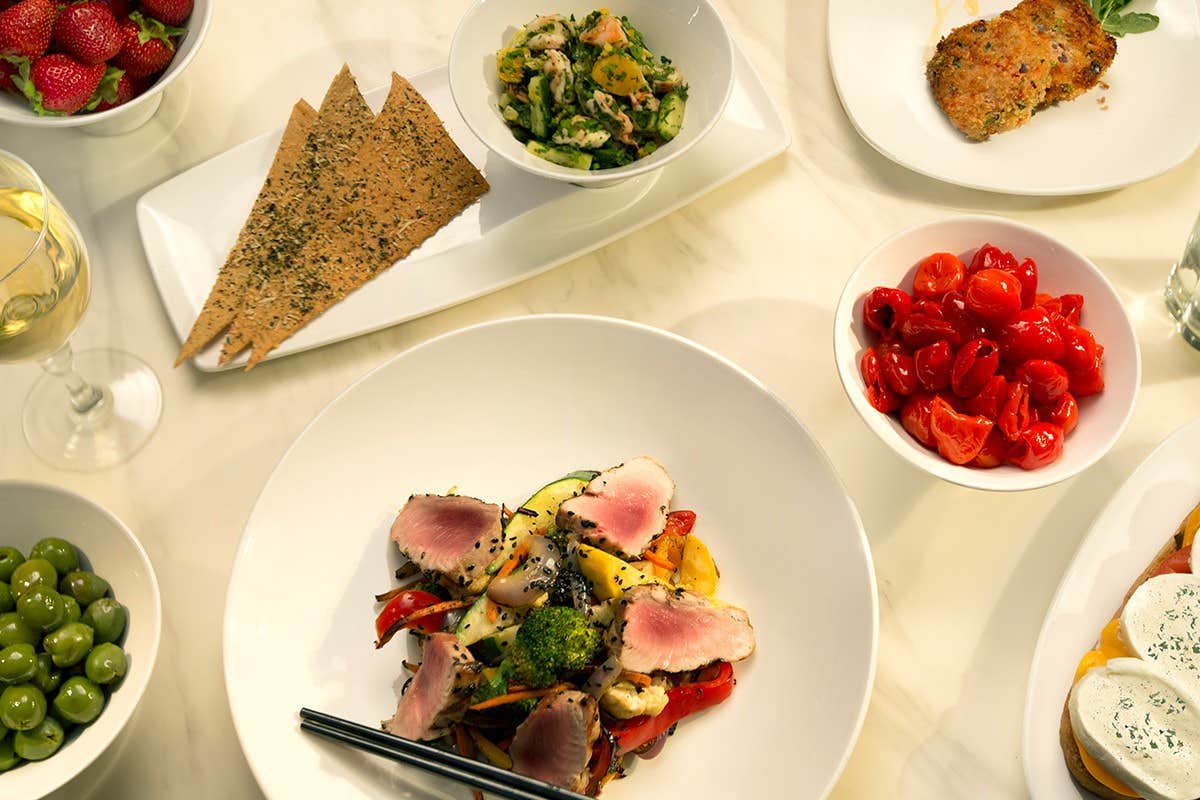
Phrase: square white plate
x=523 y=226
x=1124 y=539
x=878 y=52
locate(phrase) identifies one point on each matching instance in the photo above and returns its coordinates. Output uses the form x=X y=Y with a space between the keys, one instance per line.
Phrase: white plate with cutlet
x=299 y=617
x=514 y=231
x=998 y=76
x=1126 y=537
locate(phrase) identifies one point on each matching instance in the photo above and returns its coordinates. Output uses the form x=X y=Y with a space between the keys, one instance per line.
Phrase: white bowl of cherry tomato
x=987 y=353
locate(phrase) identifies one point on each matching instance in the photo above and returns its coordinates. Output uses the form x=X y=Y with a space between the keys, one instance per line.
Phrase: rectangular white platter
x=523 y=226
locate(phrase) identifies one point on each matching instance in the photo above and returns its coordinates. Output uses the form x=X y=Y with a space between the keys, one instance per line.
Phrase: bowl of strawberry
x=987 y=353
x=102 y=64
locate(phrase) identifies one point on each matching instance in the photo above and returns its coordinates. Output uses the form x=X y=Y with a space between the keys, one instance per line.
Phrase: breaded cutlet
x=990 y=76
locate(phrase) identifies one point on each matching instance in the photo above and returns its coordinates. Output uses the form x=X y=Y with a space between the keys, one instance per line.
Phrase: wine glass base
x=109 y=434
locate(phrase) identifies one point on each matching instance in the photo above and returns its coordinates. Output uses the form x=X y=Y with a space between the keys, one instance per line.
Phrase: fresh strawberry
x=149 y=46
x=169 y=12
x=89 y=32
x=10 y=68
x=119 y=8
x=26 y=27
x=116 y=89
x=58 y=84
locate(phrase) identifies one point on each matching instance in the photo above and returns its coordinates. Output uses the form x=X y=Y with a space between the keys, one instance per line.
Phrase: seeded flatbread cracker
x=337 y=135
x=226 y=296
x=407 y=182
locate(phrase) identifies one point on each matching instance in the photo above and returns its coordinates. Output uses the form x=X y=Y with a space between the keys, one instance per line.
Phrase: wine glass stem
x=85 y=398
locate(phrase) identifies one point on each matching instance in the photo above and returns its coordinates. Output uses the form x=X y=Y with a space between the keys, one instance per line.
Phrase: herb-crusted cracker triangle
x=407 y=182
x=337 y=135
x=226 y=296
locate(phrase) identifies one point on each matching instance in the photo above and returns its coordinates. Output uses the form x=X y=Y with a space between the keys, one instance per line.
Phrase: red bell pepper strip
x=682 y=701
x=680 y=522
x=404 y=604
x=1179 y=561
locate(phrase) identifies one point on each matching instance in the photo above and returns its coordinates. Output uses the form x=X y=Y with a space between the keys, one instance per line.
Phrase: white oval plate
x=878 y=52
x=1131 y=529
x=497 y=410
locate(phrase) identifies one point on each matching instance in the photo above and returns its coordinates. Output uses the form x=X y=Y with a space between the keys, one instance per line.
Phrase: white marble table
x=752 y=270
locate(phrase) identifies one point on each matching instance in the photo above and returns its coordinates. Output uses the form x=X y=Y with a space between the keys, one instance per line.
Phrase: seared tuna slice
x=454 y=535
x=554 y=743
x=439 y=691
x=622 y=509
x=674 y=630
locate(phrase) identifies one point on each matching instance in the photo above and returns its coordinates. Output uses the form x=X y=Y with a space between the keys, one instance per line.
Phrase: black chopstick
x=486 y=777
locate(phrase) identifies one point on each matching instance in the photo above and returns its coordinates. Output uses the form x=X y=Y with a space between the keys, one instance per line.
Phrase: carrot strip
x=513 y=697
x=637 y=678
x=410 y=667
x=493 y=611
x=436 y=608
x=512 y=562
x=464 y=749
x=657 y=560
x=490 y=751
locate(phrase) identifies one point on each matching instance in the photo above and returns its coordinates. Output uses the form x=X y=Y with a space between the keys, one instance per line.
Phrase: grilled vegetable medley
x=562 y=636
x=588 y=94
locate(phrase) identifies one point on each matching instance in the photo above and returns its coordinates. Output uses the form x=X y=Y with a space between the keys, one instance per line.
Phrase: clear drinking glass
x=89 y=411
x=1183 y=290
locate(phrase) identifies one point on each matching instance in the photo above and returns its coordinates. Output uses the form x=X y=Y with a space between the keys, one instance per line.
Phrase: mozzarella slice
x=1142 y=726
x=1161 y=623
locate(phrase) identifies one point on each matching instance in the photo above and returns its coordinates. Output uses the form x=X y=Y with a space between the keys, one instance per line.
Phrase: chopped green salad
x=588 y=94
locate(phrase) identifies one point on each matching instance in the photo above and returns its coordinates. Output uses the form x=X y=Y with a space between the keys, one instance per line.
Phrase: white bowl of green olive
x=80 y=622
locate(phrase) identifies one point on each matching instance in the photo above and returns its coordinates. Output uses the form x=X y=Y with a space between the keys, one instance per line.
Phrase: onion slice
x=532 y=579
x=604 y=676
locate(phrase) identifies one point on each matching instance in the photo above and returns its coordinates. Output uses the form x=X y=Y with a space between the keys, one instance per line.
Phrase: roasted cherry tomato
x=884 y=309
x=405 y=604
x=914 y=416
x=1046 y=380
x=897 y=367
x=1063 y=412
x=680 y=522
x=1039 y=445
x=933 y=363
x=1027 y=273
x=920 y=329
x=993 y=295
x=1030 y=334
x=1090 y=381
x=879 y=395
x=1014 y=414
x=974 y=365
x=938 y=274
x=1180 y=561
x=954 y=310
x=994 y=452
x=1071 y=307
x=959 y=437
x=990 y=399
x=991 y=257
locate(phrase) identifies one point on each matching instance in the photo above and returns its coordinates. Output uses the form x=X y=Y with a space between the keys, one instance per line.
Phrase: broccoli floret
x=551 y=641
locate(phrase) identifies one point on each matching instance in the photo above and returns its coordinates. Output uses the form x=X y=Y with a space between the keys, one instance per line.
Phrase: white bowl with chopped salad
x=591 y=95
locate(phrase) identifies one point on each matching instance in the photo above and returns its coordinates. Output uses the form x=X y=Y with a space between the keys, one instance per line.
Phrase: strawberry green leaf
x=150 y=28
x=21 y=63
x=24 y=83
x=107 y=90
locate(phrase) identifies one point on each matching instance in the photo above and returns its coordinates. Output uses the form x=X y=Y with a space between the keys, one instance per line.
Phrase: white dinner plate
x=497 y=410
x=1144 y=123
x=524 y=226
x=1124 y=539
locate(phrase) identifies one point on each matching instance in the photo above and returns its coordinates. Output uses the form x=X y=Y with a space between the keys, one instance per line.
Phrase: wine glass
x=89 y=411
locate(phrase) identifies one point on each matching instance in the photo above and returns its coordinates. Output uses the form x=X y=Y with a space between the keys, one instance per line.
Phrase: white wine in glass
x=90 y=411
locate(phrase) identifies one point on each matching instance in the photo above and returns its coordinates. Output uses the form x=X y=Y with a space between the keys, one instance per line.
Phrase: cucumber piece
x=475 y=625
x=563 y=156
x=544 y=503
x=494 y=648
x=539 y=102
x=670 y=114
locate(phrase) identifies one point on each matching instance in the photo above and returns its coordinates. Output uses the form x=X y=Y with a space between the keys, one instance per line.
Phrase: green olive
x=18 y=663
x=40 y=742
x=79 y=701
x=107 y=618
x=48 y=677
x=42 y=609
x=8 y=756
x=34 y=572
x=7 y=601
x=105 y=664
x=69 y=644
x=13 y=630
x=73 y=612
x=10 y=559
x=58 y=552
x=22 y=707
x=86 y=587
